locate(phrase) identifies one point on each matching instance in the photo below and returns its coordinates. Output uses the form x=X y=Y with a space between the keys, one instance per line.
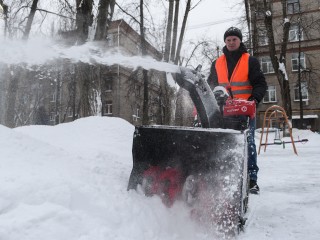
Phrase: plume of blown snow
x=38 y=51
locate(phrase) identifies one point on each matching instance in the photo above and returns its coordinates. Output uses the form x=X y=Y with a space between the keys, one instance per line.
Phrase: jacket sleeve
x=257 y=79
x=213 y=77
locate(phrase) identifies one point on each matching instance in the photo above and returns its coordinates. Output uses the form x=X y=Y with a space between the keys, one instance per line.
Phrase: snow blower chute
x=204 y=167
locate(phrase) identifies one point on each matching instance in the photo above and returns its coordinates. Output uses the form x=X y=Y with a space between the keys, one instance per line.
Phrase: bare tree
x=145 y=110
x=204 y=52
x=175 y=30
x=5 y=14
x=84 y=19
x=247 y=17
x=12 y=96
x=169 y=32
x=104 y=17
x=183 y=28
x=30 y=19
x=143 y=47
x=278 y=61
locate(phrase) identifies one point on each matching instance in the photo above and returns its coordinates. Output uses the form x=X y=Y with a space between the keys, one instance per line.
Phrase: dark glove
x=252 y=98
x=220 y=98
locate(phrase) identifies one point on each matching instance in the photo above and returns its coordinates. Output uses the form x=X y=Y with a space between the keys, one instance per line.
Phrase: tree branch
x=57 y=14
x=128 y=14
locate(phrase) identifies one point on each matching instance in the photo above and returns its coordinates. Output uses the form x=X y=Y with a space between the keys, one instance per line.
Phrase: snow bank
x=69 y=182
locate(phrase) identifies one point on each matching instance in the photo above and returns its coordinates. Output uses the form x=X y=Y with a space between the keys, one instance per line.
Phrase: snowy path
x=289 y=204
x=69 y=182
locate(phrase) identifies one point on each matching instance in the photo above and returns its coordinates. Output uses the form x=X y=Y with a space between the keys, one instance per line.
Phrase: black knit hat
x=233 y=31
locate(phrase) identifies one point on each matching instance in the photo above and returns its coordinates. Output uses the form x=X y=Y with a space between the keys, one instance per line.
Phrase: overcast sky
x=213 y=17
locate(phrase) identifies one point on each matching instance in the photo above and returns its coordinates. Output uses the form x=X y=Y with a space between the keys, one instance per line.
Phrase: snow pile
x=69 y=182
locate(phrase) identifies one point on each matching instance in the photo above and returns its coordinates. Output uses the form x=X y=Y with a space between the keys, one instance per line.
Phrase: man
x=236 y=68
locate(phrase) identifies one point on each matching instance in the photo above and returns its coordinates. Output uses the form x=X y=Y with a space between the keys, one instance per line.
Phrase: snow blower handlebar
x=201 y=95
x=213 y=106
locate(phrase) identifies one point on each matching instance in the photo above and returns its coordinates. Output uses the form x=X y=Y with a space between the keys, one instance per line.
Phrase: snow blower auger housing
x=204 y=167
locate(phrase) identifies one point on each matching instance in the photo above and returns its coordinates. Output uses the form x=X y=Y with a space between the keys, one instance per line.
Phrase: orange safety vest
x=239 y=81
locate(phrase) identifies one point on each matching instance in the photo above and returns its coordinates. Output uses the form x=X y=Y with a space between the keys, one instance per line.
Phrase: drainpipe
x=119 y=68
x=299 y=76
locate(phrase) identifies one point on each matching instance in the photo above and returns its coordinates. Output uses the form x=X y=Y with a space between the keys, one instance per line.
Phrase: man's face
x=232 y=43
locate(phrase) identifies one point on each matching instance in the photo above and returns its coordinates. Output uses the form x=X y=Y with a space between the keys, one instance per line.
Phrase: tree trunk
x=169 y=31
x=184 y=23
x=12 y=97
x=5 y=14
x=175 y=31
x=104 y=16
x=30 y=19
x=84 y=80
x=284 y=44
x=254 y=35
x=58 y=100
x=248 y=18
x=74 y=92
x=283 y=82
x=145 y=112
x=84 y=19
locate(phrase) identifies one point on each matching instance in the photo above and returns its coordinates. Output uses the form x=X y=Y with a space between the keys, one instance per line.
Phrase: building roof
x=120 y=23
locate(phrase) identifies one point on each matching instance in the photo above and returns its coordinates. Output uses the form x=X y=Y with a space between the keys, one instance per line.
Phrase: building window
x=151 y=118
x=294 y=33
x=138 y=90
x=52 y=116
x=295 y=61
x=293 y=6
x=110 y=40
x=139 y=49
x=108 y=86
x=266 y=65
x=53 y=98
x=70 y=112
x=260 y=12
x=263 y=38
x=271 y=95
x=136 y=116
x=304 y=92
x=108 y=108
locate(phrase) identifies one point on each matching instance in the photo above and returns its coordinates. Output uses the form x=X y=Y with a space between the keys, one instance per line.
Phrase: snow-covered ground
x=69 y=182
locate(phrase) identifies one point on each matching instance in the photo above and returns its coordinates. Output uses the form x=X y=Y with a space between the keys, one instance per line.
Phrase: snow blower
x=204 y=167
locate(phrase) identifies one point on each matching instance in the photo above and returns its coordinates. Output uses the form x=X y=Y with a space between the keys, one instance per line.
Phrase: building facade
x=304 y=44
x=114 y=90
x=124 y=93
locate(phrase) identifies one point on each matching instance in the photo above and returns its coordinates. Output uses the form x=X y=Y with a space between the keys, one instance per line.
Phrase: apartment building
x=303 y=44
x=120 y=88
x=123 y=93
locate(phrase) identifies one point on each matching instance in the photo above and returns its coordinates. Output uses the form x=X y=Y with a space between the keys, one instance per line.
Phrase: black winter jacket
x=256 y=77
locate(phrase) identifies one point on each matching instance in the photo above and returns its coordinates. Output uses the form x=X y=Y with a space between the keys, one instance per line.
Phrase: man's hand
x=252 y=98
